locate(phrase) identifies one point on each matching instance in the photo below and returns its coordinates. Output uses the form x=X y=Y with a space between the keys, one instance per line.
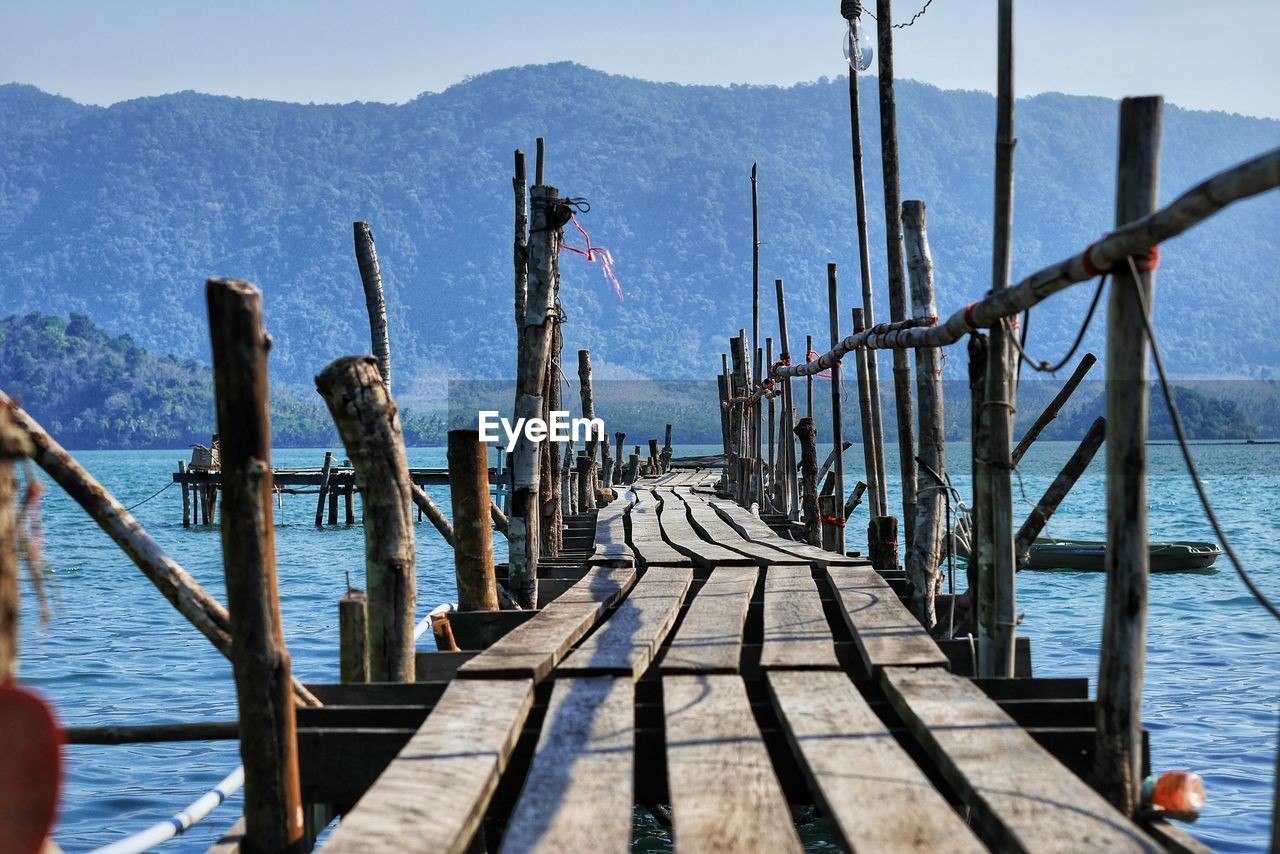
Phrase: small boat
x=1090 y=555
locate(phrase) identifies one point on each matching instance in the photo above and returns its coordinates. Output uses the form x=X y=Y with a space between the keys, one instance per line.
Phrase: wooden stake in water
x=473 y=531
x=374 y=301
x=837 y=417
x=259 y=658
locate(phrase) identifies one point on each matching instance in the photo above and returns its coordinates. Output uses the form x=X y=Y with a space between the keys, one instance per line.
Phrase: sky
x=1207 y=54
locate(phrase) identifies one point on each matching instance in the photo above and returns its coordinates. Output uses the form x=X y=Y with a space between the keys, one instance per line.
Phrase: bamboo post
x=186 y=495
x=756 y=374
x=587 y=392
x=520 y=247
x=924 y=552
x=374 y=301
x=1055 y=406
x=369 y=424
x=837 y=418
x=259 y=658
x=353 y=636
x=808 y=381
x=1118 y=756
x=882 y=530
x=790 y=500
x=1001 y=389
x=893 y=251
x=324 y=487
x=473 y=548
x=807 y=435
x=771 y=417
x=1057 y=491
x=174 y=583
x=548 y=216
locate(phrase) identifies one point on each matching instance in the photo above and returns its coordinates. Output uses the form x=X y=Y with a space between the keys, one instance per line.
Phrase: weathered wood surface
x=611 y=531
x=374 y=302
x=709 y=639
x=796 y=633
x=751 y=527
x=646 y=535
x=14 y=445
x=685 y=539
x=1022 y=799
x=713 y=528
x=578 y=794
x=874 y=797
x=434 y=793
x=885 y=632
x=725 y=795
x=473 y=531
x=626 y=643
x=535 y=647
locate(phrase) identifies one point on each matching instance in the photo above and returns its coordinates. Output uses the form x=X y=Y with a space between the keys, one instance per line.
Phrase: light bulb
x=857 y=47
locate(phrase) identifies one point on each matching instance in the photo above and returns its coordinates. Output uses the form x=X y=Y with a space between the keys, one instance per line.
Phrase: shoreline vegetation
x=94 y=391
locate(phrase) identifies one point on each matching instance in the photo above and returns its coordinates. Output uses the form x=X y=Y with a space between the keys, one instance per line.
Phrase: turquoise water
x=116 y=653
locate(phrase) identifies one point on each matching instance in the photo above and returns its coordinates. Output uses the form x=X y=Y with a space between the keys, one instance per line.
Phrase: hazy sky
x=1208 y=54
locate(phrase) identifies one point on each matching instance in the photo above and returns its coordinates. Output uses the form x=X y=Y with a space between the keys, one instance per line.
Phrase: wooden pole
x=808 y=381
x=259 y=658
x=520 y=246
x=606 y=462
x=924 y=552
x=633 y=468
x=619 y=438
x=174 y=583
x=186 y=496
x=980 y=569
x=547 y=218
x=587 y=391
x=654 y=454
x=1055 y=405
x=349 y=504
x=770 y=416
x=569 y=489
x=1057 y=491
x=552 y=518
x=324 y=487
x=755 y=273
x=790 y=500
x=196 y=518
x=893 y=251
x=666 y=449
x=333 y=505
x=374 y=301
x=353 y=636
x=1118 y=756
x=14 y=445
x=427 y=507
x=837 y=418
x=807 y=435
x=1001 y=389
x=586 y=503
x=369 y=424
x=541 y=150
x=473 y=548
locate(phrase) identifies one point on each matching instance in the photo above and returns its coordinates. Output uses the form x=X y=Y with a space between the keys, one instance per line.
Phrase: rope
x=181 y=821
x=1045 y=367
x=908 y=23
x=1186 y=450
x=149 y=497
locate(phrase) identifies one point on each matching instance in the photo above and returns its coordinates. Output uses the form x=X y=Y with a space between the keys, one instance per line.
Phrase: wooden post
x=807 y=435
x=633 y=468
x=618 y=472
x=980 y=570
x=349 y=501
x=828 y=507
x=1001 y=390
x=787 y=463
x=837 y=418
x=426 y=506
x=186 y=495
x=520 y=247
x=1118 y=756
x=586 y=503
x=882 y=530
x=259 y=658
x=324 y=487
x=893 y=252
x=756 y=374
x=540 y=159
x=547 y=218
x=654 y=454
x=333 y=505
x=374 y=302
x=14 y=445
x=552 y=518
x=196 y=518
x=587 y=392
x=473 y=531
x=772 y=439
x=808 y=381
x=353 y=636
x=606 y=463
x=1055 y=405
x=568 y=487
x=666 y=449
x=1057 y=491
x=924 y=550
x=369 y=424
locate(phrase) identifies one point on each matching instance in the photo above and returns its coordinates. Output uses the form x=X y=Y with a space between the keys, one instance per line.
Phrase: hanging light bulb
x=857 y=46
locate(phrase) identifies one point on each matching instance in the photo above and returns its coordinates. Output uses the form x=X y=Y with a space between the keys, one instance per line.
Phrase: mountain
x=120 y=213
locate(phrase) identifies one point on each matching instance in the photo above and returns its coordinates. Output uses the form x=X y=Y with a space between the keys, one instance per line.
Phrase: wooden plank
x=887 y=634
x=796 y=633
x=678 y=531
x=1021 y=798
x=709 y=639
x=707 y=522
x=611 y=533
x=646 y=538
x=434 y=793
x=578 y=794
x=628 y=640
x=533 y=649
x=751 y=527
x=874 y=798
x=725 y=795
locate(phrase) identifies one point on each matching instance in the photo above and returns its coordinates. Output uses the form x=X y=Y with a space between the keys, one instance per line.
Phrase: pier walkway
x=701 y=660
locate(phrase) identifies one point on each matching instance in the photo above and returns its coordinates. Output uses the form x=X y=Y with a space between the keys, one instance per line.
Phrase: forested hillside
x=120 y=213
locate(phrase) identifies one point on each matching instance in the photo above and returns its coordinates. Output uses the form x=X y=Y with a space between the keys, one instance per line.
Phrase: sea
x=115 y=652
